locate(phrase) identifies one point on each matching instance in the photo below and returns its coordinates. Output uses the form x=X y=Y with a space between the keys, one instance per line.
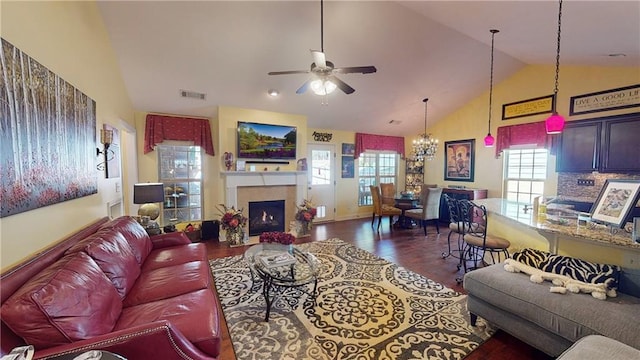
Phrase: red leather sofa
x=110 y=286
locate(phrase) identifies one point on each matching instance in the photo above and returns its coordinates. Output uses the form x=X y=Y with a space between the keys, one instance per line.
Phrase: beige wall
x=470 y=121
x=69 y=39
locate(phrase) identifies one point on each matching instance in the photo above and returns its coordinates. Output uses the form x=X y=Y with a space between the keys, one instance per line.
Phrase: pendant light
x=426 y=146
x=555 y=123
x=489 y=140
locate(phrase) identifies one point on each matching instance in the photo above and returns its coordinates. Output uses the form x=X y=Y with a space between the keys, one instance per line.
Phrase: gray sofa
x=552 y=322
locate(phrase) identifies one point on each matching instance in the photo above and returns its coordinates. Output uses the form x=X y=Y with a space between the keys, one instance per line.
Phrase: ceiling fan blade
x=356 y=69
x=319 y=59
x=304 y=87
x=341 y=85
x=289 y=72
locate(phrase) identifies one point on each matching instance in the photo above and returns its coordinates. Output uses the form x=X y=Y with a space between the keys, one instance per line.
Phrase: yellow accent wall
x=471 y=120
x=69 y=39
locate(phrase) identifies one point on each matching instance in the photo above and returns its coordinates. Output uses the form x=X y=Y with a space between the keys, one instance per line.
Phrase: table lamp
x=148 y=194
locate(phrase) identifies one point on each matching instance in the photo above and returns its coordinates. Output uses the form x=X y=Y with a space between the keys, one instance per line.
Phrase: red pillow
x=70 y=300
x=135 y=235
x=114 y=256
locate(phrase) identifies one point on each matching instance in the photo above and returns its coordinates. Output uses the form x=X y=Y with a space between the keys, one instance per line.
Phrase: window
x=181 y=174
x=375 y=168
x=525 y=173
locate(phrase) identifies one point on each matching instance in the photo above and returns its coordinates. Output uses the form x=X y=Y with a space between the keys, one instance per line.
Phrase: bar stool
x=456 y=227
x=477 y=243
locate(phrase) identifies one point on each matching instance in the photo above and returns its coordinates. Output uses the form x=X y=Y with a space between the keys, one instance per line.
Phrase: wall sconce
x=106 y=139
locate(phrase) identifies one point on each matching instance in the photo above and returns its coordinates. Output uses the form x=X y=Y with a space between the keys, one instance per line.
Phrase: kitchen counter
x=593 y=233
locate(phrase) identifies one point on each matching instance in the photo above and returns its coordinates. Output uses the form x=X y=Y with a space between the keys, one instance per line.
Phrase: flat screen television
x=266 y=141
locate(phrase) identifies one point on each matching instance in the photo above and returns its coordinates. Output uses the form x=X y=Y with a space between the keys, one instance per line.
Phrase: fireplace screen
x=266 y=216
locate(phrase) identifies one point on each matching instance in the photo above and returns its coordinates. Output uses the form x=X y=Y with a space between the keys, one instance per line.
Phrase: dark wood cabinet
x=468 y=194
x=610 y=144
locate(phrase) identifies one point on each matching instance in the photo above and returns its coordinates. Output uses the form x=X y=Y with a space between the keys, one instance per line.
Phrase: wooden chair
x=430 y=201
x=381 y=209
x=388 y=192
x=477 y=243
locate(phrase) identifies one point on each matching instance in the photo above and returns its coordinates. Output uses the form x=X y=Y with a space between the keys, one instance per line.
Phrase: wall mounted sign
x=324 y=137
x=539 y=105
x=614 y=99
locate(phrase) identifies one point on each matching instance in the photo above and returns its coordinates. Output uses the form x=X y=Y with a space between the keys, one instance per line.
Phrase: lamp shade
x=554 y=124
x=148 y=193
x=489 y=140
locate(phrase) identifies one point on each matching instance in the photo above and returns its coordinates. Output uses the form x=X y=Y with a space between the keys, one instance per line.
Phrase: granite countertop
x=513 y=211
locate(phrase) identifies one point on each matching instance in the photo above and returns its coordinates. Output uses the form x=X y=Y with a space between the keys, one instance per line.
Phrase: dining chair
x=477 y=242
x=388 y=192
x=381 y=209
x=430 y=202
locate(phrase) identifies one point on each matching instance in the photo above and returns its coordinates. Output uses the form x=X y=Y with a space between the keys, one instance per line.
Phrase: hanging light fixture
x=489 y=140
x=322 y=86
x=555 y=123
x=426 y=146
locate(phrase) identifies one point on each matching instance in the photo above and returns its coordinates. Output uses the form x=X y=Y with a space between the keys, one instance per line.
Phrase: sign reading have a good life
x=614 y=99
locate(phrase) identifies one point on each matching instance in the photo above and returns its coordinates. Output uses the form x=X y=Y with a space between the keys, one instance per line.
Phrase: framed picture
x=348 y=149
x=615 y=201
x=459 y=160
x=347 y=167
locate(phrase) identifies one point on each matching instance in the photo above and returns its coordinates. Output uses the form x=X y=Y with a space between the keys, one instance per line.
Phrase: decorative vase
x=303 y=228
x=236 y=237
x=290 y=248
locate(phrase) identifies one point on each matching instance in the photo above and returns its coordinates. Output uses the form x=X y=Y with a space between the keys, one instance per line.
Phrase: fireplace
x=266 y=216
x=244 y=187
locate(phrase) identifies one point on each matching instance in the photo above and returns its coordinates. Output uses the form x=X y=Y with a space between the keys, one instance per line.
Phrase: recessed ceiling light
x=273 y=92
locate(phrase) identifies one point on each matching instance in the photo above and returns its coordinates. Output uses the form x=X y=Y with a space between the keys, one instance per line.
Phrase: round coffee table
x=276 y=279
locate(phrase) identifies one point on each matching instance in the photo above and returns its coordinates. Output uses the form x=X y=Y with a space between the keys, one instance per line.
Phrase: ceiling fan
x=322 y=80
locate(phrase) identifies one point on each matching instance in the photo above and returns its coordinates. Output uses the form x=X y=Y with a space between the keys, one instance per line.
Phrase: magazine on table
x=276 y=258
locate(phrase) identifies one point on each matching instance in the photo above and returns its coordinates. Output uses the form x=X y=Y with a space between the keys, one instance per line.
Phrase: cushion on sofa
x=135 y=234
x=174 y=255
x=114 y=256
x=68 y=301
x=166 y=282
x=190 y=313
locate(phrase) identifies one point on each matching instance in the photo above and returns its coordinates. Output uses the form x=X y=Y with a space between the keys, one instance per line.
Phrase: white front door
x=321 y=180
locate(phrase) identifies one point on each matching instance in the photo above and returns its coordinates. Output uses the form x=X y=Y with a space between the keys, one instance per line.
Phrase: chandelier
x=425 y=147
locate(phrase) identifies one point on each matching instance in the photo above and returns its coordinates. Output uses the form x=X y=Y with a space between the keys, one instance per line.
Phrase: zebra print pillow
x=531 y=257
x=582 y=270
x=576 y=269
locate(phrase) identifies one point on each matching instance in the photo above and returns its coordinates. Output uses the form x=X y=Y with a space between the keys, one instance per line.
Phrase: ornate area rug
x=366 y=308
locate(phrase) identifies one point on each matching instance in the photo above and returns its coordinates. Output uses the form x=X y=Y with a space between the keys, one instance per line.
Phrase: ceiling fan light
x=489 y=140
x=322 y=87
x=554 y=124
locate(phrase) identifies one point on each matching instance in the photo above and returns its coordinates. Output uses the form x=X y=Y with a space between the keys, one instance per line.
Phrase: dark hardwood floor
x=410 y=249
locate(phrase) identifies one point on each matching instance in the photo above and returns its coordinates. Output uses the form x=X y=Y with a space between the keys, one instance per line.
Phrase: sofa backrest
x=15 y=277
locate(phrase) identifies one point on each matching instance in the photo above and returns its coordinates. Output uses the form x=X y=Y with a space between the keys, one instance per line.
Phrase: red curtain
x=378 y=142
x=524 y=134
x=161 y=127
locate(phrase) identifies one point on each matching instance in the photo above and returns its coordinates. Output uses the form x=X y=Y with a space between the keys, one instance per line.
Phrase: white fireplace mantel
x=236 y=179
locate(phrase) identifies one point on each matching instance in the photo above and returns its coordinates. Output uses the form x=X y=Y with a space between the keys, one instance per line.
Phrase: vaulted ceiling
x=434 y=49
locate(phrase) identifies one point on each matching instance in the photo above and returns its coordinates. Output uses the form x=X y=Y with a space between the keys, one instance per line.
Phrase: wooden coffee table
x=276 y=280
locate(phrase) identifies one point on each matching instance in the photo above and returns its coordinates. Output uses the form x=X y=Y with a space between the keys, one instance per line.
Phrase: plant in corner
x=305 y=215
x=232 y=222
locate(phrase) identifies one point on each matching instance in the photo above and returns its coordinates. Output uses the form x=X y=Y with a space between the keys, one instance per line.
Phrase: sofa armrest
x=169 y=239
x=149 y=341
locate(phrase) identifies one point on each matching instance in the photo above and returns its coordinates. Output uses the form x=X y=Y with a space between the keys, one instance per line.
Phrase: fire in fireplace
x=266 y=216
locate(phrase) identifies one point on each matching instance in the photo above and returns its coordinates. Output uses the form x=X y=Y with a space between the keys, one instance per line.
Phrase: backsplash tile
x=569 y=189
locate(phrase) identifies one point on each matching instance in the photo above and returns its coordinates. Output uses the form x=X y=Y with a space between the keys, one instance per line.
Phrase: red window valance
x=378 y=142
x=161 y=127
x=523 y=134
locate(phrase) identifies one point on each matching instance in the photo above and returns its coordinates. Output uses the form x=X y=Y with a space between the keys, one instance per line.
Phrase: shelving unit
x=414 y=176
